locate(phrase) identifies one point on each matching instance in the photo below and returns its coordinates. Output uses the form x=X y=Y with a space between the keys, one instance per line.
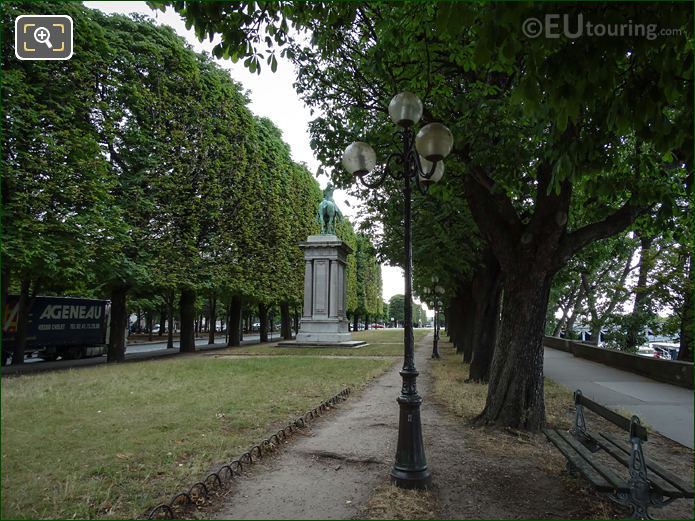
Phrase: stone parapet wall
x=667 y=371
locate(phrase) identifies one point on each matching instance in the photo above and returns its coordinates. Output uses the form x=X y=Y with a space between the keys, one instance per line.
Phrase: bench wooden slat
x=575 y=459
x=661 y=485
x=616 y=482
x=687 y=489
x=611 y=416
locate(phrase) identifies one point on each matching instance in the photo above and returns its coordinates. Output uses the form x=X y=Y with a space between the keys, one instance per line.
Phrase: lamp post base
x=435 y=347
x=410 y=469
x=411 y=480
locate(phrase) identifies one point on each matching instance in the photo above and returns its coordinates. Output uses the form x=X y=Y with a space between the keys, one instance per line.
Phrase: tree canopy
x=559 y=143
x=136 y=168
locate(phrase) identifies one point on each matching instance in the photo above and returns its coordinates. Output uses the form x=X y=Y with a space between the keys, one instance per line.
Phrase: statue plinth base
x=324 y=323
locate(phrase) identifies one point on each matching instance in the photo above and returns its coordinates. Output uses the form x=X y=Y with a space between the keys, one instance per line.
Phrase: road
x=147 y=347
x=142 y=351
x=667 y=409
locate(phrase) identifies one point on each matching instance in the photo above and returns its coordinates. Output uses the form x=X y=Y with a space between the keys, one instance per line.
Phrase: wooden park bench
x=646 y=484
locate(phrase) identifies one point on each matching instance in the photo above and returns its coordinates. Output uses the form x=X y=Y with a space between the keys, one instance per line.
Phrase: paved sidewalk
x=331 y=472
x=667 y=409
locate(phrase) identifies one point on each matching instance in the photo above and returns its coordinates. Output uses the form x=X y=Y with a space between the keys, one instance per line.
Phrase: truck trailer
x=68 y=327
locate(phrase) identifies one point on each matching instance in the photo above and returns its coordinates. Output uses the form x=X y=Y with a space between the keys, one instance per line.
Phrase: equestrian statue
x=328 y=214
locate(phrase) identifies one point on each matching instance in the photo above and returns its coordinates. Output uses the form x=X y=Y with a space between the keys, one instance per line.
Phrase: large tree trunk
x=485 y=290
x=515 y=390
x=685 y=353
x=529 y=250
x=686 y=345
x=234 y=338
x=170 y=319
x=595 y=323
x=564 y=322
x=241 y=326
x=560 y=323
x=465 y=319
x=636 y=322
x=212 y=321
x=138 y=321
x=263 y=322
x=162 y=320
x=447 y=314
x=285 y=321
x=150 y=324
x=187 y=335
x=366 y=322
x=4 y=297
x=296 y=320
x=5 y=283
x=119 y=323
x=595 y=333
x=454 y=326
x=23 y=308
x=355 y=321
x=569 y=330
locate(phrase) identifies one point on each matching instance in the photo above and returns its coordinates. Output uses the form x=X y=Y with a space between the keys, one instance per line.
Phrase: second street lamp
x=421 y=158
x=436 y=291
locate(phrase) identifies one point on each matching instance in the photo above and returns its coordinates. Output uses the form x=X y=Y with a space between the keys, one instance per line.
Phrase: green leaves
x=138 y=163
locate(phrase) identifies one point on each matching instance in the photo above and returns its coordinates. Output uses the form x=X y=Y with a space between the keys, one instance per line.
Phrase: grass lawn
x=112 y=441
x=382 y=342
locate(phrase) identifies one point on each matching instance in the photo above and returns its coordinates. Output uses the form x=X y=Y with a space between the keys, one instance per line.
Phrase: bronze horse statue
x=328 y=214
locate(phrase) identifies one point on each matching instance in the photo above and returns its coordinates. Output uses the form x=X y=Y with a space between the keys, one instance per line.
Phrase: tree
x=136 y=169
x=526 y=105
x=50 y=221
x=368 y=275
x=396 y=308
x=603 y=272
x=537 y=139
x=346 y=233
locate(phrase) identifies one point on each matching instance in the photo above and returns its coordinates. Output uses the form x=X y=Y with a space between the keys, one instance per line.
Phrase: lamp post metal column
x=421 y=160
x=435 y=347
x=410 y=469
x=435 y=291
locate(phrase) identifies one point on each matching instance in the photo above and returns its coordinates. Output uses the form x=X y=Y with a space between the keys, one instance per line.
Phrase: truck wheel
x=72 y=353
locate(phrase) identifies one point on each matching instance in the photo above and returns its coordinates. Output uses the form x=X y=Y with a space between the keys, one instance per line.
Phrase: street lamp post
x=421 y=158
x=436 y=291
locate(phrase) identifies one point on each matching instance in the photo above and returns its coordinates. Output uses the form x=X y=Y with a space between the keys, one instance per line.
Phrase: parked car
x=377 y=326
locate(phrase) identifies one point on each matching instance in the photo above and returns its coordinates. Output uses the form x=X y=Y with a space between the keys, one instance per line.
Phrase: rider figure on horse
x=328 y=214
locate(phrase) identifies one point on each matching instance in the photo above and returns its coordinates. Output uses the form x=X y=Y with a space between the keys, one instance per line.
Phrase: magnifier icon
x=43 y=35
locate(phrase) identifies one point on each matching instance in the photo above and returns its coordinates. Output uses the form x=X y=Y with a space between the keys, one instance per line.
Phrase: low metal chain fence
x=200 y=491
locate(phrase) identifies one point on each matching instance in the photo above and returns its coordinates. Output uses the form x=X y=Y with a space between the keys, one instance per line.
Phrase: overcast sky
x=272 y=96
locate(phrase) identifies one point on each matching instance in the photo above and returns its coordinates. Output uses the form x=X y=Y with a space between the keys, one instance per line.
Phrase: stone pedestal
x=324 y=321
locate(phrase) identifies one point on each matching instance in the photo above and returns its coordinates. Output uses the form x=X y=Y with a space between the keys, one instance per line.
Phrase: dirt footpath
x=339 y=469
